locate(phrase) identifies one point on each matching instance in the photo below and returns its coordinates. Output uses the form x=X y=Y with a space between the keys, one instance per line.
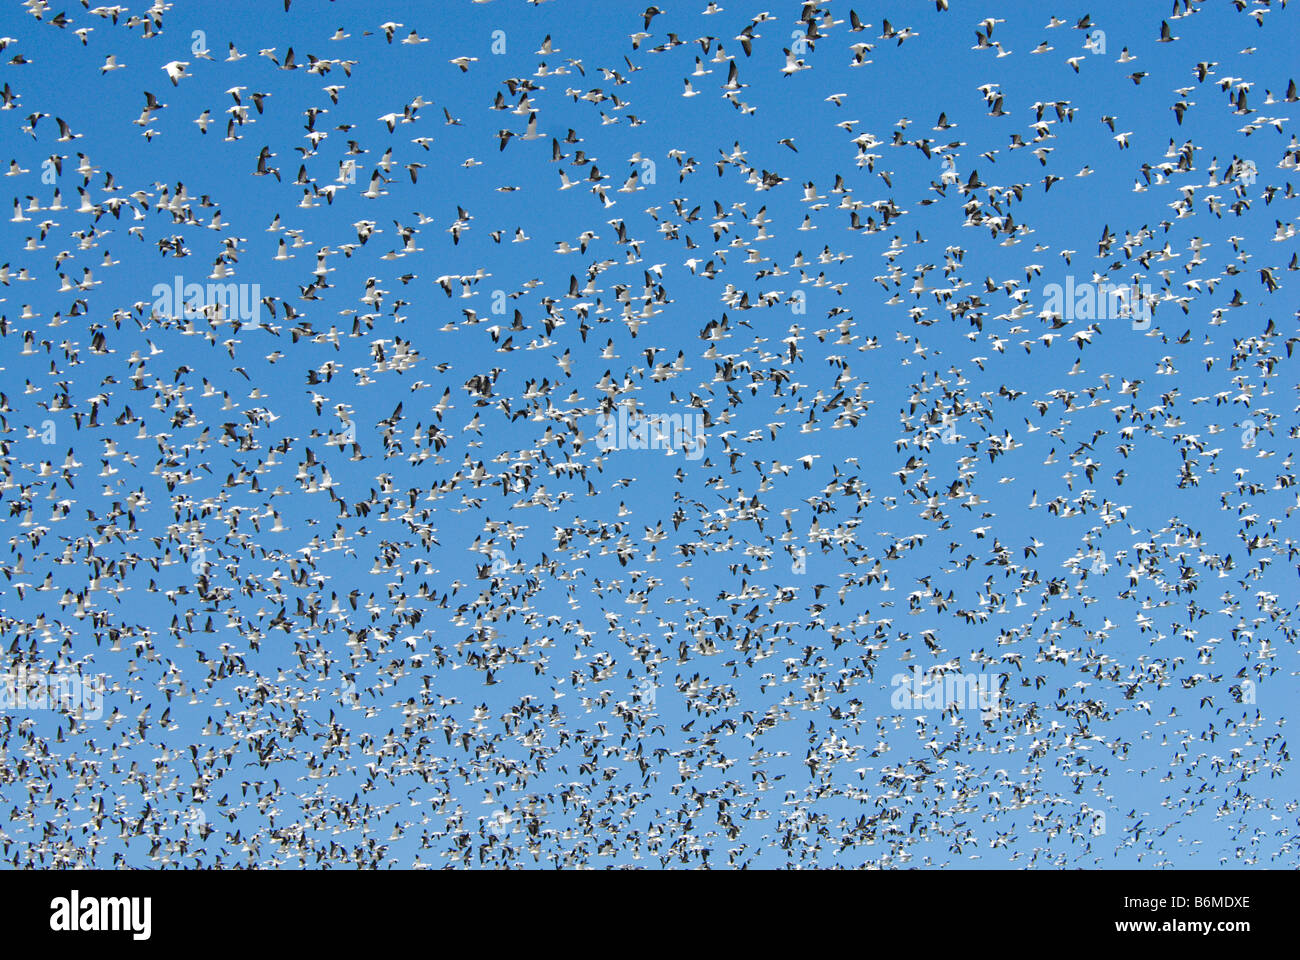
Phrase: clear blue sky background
x=1165 y=803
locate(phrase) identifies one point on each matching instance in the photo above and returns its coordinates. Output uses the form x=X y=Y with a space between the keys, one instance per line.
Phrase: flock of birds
x=362 y=586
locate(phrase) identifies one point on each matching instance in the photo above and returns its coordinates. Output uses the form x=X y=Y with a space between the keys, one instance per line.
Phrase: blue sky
x=1179 y=781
